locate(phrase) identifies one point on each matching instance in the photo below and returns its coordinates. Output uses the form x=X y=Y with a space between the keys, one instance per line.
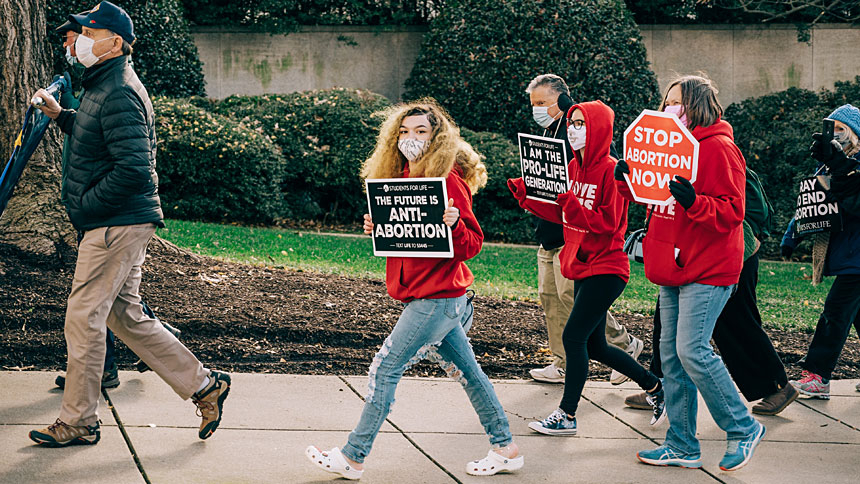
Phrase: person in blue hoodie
x=839 y=172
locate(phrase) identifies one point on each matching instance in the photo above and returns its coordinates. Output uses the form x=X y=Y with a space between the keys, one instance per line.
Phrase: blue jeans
x=688 y=314
x=433 y=328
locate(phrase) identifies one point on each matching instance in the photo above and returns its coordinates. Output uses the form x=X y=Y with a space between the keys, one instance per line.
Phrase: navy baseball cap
x=69 y=26
x=108 y=16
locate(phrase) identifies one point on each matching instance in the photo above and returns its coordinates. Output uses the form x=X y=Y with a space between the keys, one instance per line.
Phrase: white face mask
x=412 y=148
x=69 y=57
x=84 y=49
x=576 y=137
x=541 y=116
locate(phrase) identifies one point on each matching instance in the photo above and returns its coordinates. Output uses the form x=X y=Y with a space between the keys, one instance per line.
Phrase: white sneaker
x=857 y=387
x=548 y=374
x=634 y=349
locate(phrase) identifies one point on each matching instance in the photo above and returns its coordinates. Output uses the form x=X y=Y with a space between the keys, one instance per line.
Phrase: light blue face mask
x=69 y=57
x=542 y=117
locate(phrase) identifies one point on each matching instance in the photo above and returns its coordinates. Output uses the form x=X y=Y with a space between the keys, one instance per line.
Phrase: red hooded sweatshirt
x=593 y=213
x=705 y=243
x=409 y=278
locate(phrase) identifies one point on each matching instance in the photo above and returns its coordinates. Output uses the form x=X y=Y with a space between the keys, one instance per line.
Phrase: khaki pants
x=556 y=297
x=105 y=294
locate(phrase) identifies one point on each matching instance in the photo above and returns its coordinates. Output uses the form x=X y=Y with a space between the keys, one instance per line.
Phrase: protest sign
x=657 y=147
x=407 y=217
x=816 y=210
x=544 y=167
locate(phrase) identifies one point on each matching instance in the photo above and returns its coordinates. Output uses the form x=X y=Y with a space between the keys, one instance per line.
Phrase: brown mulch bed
x=256 y=319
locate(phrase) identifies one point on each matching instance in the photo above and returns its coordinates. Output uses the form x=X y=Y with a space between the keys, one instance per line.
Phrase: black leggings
x=584 y=338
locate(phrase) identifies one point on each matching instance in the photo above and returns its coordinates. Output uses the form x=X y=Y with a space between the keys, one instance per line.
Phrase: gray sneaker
x=548 y=374
x=812 y=385
x=634 y=349
x=857 y=387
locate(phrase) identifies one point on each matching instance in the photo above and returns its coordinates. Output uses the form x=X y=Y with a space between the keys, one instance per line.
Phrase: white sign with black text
x=407 y=217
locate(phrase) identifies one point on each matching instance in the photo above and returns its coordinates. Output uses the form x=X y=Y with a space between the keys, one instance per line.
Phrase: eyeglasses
x=576 y=123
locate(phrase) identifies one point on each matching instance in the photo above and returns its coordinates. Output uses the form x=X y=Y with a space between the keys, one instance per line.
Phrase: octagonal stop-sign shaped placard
x=657 y=147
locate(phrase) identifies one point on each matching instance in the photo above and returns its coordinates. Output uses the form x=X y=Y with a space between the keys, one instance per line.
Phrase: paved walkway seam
x=643 y=434
x=126 y=438
x=826 y=415
x=414 y=444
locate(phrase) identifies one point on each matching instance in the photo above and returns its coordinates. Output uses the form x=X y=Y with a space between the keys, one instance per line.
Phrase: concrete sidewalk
x=150 y=435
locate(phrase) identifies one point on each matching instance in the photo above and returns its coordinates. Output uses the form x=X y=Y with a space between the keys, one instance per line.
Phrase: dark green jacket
x=109 y=178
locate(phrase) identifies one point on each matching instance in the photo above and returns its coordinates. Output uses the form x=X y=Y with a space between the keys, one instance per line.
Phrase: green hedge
x=325 y=136
x=774 y=134
x=480 y=55
x=165 y=57
x=212 y=168
x=284 y=16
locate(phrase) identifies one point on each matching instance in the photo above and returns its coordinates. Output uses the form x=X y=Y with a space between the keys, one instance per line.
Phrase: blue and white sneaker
x=556 y=424
x=666 y=456
x=739 y=452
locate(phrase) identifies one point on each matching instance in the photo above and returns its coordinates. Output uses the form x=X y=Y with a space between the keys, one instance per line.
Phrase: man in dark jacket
x=110 y=190
x=550 y=99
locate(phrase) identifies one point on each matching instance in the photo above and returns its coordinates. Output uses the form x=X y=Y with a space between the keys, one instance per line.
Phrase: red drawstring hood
x=593 y=213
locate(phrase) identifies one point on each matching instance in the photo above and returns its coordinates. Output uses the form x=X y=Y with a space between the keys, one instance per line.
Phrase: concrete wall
x=743 y=60
x=240 y=62
x=747 y=61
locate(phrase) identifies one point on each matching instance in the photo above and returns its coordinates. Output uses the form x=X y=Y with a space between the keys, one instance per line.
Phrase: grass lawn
x=786 y=298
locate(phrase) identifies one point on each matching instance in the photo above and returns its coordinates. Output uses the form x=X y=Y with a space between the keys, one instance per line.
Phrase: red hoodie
x=708 y=237
x=593 y=213
x=409 y=278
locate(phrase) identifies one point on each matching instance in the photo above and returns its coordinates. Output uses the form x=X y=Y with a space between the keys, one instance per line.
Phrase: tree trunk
x=35 y=219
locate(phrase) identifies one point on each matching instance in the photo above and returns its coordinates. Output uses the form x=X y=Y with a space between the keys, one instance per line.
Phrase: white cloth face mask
x=576 y=137
x=412 y=148
x=84 y=49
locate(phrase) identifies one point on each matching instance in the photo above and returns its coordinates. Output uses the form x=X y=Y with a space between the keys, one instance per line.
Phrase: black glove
x=620 y=169
x=820 y=149
x=839 y=163
x=683 y=191
x=786 y=251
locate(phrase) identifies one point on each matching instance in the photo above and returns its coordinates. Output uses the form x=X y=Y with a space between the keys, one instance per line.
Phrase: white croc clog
x=333 y=461
x=493 y=464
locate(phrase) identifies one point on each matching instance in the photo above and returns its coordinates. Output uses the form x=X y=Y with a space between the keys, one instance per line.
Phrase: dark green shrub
x=325 y=136
x=165 y=57
x=284 y=16
x=501 y=218
x=213 y=168
x=480 y=55
x=774 y=134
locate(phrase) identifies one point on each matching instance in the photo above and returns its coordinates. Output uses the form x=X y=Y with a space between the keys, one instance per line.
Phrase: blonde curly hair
x=446 y=147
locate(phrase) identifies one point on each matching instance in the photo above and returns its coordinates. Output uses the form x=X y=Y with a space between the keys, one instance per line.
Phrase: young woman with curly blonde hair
x=420 y=140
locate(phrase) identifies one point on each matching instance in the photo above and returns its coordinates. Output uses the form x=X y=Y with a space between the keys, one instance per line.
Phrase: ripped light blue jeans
x=434 y=329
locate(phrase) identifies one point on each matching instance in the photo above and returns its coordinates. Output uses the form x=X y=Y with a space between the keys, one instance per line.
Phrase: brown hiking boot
x=210 y=402
x=60 y=434
x=775 y=403
x=638 y=401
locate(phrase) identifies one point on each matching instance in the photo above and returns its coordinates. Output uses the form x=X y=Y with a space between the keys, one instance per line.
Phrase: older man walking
x=110 y=191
